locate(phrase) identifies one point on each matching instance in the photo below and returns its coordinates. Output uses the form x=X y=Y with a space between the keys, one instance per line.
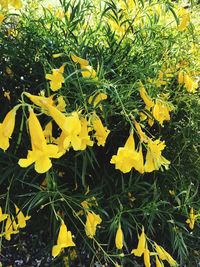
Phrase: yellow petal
x=119 y=238
x=43 y=164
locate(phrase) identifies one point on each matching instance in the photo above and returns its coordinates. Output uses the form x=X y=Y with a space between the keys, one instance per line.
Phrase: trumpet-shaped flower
x=127 y=157
x=161 y=111
x=146 y=98
x=192 y=218
x=91 y=223
x=119 y=238
x=97 y=98
x=6 y=128
x=141 y=245
x=190 y=83
x=56 y=78
x=164 y=255
x=21 y=219
x=154 y=159
x=158 y=263
x=3 y=216
x=84 y=135
x=39 y=100
x=70 y=126
x=147 y=262
x=9 y=229
x=81 y=61
x=64 y=240
x=89 y=72
x=101 y=132
x=184 y=16
x=41 y=152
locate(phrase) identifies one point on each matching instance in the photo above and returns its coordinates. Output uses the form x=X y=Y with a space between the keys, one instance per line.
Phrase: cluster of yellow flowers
x=159 y=253
x=11 y=226
x=64 y=239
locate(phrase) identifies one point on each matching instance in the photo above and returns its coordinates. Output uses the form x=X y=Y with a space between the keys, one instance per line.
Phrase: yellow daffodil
x=64 y=240
x=164 y=255
x=192 y=218
x=21 y=219
x=154 y=159
x=119 y=237
x=3 y=216
x=101 y=132
x=41 y=152
x=127 y=157
x=6 y=128
x=96 y=98
x=56 y=78
x=91 y=223
x=161 y=111
x=147 y=262
x=141 y=245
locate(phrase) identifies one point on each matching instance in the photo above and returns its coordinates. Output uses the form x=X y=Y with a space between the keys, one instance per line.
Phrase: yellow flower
x=9 y=229
x=70 y=126
x=147 y=262
x=161 y=111
x=41 y=152
x=2 y=215
x=97 y=98
x=48 y=132
x=64 y=240
x=158 y=263
x=184 y=16
x=81 y=61
x=56 y=78
x=21 y=219
x=190 y=84
x=6 y=128
x=2 y=17
x=61 y=105
x=181 y=77
x=39 y=100
x=142 y=135
x=101 y=132
x=16 y=3
x=141 y=245
x=164 y=255
x=87 y=70
x=192 y=218
x=84 y=135
x=154 y=159
x=119 y=238
x=146 y=98
x=59 y=13
x=91 y=223
x=127 y=157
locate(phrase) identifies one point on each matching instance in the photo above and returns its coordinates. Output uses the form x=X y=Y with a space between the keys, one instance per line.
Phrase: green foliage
x=127 y=43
